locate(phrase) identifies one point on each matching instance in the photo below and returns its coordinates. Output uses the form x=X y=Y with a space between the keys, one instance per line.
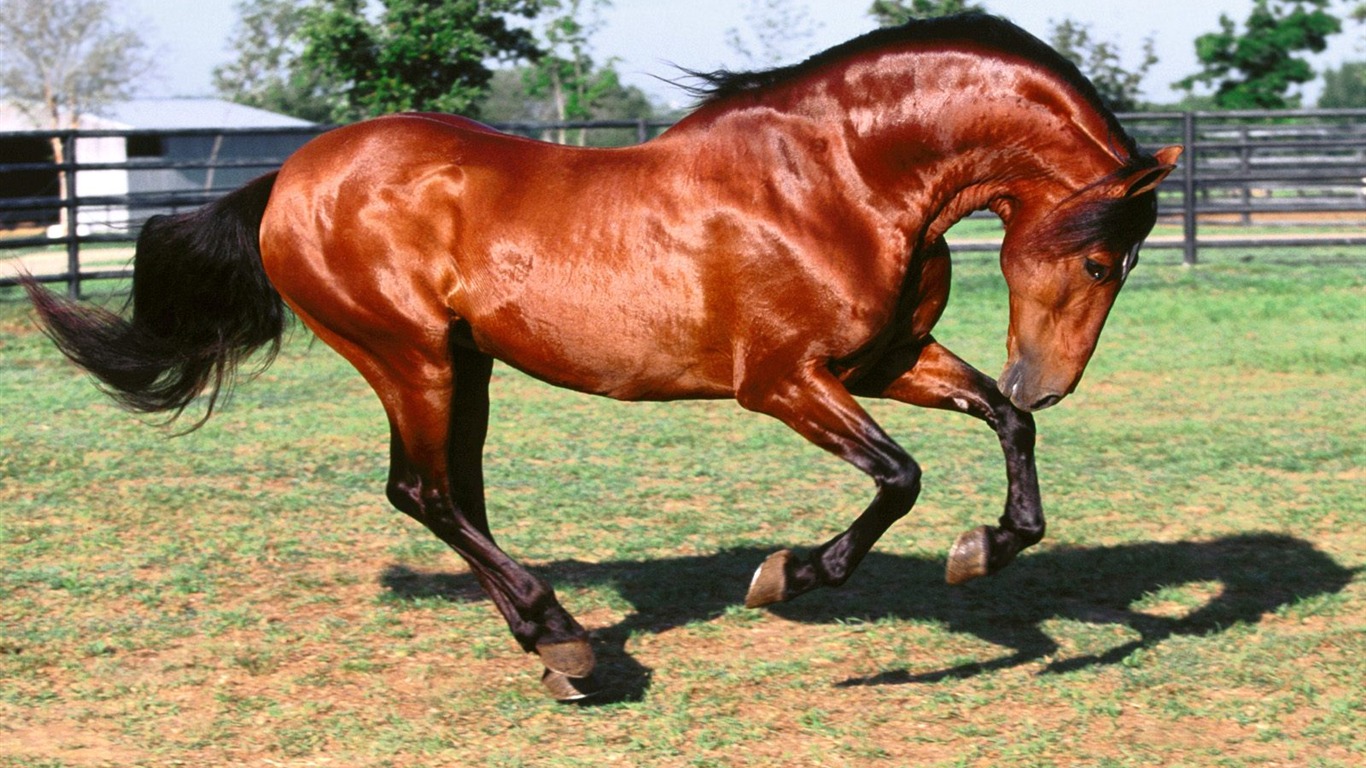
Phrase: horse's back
x=636 y=273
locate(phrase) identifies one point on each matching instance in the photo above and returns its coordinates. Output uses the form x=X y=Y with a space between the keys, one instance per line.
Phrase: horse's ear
x=1168 y=155
x=1147 y=179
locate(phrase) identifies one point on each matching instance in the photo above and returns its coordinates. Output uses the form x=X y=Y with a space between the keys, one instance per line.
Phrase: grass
x=1169 y=227
x=244 y=596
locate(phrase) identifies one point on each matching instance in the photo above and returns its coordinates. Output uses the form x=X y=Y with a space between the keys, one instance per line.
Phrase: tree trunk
x=63 y=193
x=557 y=92
x=581 y=90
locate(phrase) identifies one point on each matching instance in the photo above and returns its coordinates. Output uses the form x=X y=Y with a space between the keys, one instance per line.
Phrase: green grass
x=243 y=594
x=987 y=228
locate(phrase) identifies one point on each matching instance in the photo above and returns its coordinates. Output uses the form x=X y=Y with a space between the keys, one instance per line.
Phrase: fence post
x=1188 y=188
x=642 y=130
x=73 y=246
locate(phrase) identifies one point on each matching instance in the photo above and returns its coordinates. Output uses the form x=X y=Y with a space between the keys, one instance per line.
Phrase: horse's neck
x=935 y=134
x=967 y=130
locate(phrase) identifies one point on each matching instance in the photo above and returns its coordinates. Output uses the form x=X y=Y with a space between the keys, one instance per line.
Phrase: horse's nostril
x=1045 y=402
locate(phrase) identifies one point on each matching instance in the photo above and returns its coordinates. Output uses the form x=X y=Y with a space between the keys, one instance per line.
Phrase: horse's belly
x=606 y=350
x=630 y=371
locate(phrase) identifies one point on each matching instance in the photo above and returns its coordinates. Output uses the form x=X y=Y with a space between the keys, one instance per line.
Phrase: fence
x=1287 y=168
x=1244 y=175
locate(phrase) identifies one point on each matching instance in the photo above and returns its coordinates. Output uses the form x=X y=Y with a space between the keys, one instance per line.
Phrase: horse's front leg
x=815 y=404
x=934 y=377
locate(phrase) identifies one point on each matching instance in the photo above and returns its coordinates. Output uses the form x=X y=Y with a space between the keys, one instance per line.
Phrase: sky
x=649 y=37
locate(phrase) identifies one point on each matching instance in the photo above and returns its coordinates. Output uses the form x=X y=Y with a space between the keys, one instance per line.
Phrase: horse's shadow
x=1252 y=575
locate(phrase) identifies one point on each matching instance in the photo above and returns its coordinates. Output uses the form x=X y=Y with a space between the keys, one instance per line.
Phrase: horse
x=782 y=246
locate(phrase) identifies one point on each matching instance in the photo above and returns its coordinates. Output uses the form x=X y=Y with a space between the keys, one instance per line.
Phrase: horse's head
x=1064 y=263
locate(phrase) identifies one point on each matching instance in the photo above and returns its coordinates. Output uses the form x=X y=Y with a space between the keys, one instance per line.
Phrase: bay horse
x=782 y=246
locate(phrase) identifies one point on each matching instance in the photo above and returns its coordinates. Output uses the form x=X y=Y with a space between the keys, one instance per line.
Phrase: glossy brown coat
x=783 y=246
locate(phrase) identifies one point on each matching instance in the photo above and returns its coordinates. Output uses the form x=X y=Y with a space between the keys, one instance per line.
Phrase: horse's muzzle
x=1023 y=386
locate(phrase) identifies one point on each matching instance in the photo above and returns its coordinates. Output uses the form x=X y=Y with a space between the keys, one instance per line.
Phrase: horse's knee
x=897 y=492
x=902 y=483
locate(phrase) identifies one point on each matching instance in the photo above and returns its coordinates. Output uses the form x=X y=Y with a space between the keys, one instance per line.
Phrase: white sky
x=648 y=36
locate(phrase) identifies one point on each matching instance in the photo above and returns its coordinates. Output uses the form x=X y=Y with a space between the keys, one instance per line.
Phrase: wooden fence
x=1247 y=180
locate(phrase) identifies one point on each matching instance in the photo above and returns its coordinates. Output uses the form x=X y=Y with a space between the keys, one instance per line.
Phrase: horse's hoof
x=769 y=584
x=571 y=658
x=968 y=556
x=566 y=688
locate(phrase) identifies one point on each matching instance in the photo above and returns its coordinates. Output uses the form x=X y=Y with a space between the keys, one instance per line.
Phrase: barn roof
x=172 y=114
x=164 y=115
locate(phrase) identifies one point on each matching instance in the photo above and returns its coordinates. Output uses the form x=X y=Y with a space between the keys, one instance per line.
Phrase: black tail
x=201 y=303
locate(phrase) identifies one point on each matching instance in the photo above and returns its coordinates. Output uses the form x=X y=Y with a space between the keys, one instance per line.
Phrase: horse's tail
x=201 y=303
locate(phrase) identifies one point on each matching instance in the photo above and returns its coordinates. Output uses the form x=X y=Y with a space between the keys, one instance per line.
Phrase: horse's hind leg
x=818 y=407
x=436 y=477
x=437 y=401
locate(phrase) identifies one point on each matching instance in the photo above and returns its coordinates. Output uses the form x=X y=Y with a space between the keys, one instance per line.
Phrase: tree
x=1256 y=68
x=565 y=73
x=61 y=59
x=1100 y=61
x=268 y=71
x=891 y=13
x=778 y=31
x=65 y=58
x=413 y=54
x=509 y=101
x=1345 y=87
x=565 y=83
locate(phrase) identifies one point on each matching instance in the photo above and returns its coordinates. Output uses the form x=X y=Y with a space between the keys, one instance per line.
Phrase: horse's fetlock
x=405 y=497
x=1033 y=535
x=1026 y=533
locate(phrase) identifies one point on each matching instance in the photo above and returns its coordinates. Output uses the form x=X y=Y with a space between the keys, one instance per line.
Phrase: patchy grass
x=243 y=595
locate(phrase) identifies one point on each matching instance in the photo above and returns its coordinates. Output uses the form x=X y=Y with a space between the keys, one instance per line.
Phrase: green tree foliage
x=565 y=74
x=565 y=83
x=1344 y=87
x=413 y=54
x=268 y=71
x=509 y=101
x=1255 y=68
x=1100 y=61
x=891 y=13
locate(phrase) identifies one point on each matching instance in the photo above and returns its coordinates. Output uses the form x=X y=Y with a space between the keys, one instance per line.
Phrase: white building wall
x=95 y=183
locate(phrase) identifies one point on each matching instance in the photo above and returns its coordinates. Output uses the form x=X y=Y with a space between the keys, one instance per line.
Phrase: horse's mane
x=983 y=29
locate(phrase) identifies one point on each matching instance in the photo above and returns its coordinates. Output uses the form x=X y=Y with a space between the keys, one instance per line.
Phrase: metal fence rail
x=1251 y=170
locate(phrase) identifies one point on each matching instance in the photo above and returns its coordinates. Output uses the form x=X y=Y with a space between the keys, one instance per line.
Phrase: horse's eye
x=1096 y=270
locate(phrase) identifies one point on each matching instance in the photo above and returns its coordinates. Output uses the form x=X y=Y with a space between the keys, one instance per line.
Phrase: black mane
x=979 y=28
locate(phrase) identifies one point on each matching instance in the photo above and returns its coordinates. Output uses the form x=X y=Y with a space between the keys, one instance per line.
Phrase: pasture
x=243 y=595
